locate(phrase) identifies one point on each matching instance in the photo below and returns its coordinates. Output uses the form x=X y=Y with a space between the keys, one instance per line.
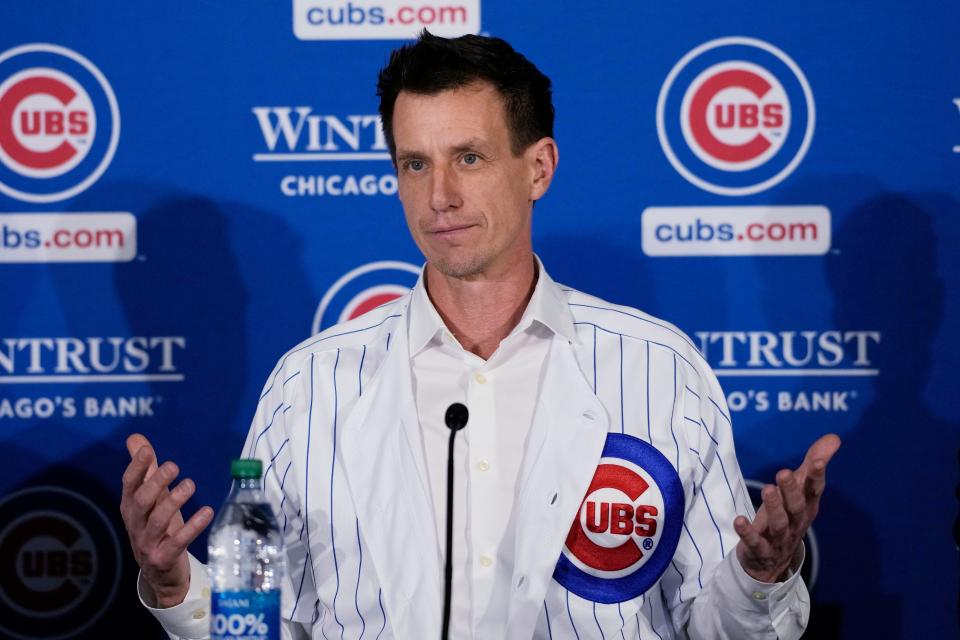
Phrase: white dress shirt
x=500 y=394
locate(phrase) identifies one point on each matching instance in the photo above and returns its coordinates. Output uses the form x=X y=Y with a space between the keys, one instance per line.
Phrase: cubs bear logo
x=628 y=525
x=735 y=116
x=59 y=123
x=60 y=564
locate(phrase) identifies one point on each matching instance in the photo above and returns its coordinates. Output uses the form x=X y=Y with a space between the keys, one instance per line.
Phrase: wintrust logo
x=812 y=353
x=735 y=116
x=764 y=367
x=310 y=135
x=36 y=366
x=93 y=359
x=59 y=123
x=298 y=135
x=383 y=19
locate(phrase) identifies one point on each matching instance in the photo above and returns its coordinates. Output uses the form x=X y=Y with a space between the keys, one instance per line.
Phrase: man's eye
x=415 y=165
x=471 y=158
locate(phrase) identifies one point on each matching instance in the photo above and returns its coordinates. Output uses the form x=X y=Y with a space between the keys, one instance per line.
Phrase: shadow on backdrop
x=896 y=466
x=888 y=273
x=627 y=283
x=227 y=279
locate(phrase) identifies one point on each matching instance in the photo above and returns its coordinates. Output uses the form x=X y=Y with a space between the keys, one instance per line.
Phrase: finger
x=136 y=442
x=821 y=451
x=134 y=476
x=750 y=535
x=168 y=506
x=777 y=520
x=760 y=519
x=175 y=523
x=793 y=500
x=189 y=531
x=145 y=498
x=815 y=466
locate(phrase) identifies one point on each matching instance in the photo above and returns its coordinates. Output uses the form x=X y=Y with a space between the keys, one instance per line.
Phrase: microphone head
x=456 y=416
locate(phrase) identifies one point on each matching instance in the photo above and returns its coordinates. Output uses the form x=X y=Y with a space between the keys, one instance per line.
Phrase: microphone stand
x=455 y=419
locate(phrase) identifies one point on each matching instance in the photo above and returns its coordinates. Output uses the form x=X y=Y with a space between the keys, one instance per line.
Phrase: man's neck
x=481 y=312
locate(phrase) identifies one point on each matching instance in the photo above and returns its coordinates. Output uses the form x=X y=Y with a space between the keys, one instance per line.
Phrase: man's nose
x=444 y=190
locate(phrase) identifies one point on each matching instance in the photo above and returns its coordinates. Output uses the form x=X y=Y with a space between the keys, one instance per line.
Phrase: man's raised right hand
x=151 y=512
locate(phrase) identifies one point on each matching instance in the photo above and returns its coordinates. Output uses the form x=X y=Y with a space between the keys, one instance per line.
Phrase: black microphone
x=456 y=419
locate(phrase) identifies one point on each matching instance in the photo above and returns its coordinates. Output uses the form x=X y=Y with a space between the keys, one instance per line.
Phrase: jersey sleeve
x=707 y=591
x=269 y=440
x=273 y=438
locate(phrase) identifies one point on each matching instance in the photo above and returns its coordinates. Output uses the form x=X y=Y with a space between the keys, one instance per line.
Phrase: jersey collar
x=547 y=307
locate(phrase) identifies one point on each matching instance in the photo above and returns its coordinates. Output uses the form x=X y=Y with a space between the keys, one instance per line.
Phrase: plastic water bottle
x=246 y=561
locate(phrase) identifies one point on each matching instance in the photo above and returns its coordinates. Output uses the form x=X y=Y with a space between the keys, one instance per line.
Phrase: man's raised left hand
x=768 y=544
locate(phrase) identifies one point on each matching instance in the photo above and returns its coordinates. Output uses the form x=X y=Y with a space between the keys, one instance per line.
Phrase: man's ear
x=542 y=158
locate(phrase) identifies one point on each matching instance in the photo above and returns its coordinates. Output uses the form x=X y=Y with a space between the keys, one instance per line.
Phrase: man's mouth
x=450 y=230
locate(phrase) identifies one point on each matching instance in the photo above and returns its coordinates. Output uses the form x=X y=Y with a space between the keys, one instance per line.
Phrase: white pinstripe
x=678 y=406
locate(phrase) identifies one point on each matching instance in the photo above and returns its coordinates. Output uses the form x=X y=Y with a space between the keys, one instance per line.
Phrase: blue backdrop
x=187 y=190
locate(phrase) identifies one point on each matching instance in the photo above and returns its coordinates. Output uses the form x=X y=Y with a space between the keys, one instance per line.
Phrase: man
x=570 y=397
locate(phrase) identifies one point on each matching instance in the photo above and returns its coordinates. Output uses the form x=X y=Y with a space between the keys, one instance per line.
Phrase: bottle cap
x=246 y=468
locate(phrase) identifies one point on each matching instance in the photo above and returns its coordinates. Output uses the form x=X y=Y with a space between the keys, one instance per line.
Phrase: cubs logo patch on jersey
x=628 y=525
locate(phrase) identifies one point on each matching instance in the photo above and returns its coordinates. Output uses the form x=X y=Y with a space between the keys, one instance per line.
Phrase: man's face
x=466 y=197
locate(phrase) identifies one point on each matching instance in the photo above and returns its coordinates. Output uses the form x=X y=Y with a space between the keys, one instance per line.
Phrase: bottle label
x=245 y=615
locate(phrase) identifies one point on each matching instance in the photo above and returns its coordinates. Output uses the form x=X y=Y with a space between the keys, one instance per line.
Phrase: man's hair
x=433 y=64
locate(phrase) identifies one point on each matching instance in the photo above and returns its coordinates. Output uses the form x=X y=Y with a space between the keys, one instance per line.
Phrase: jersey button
x=483 y=465
x=480 y=378
x=486 y=561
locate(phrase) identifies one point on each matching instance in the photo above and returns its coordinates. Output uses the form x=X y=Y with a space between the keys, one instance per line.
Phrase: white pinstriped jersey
x=337 y=430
